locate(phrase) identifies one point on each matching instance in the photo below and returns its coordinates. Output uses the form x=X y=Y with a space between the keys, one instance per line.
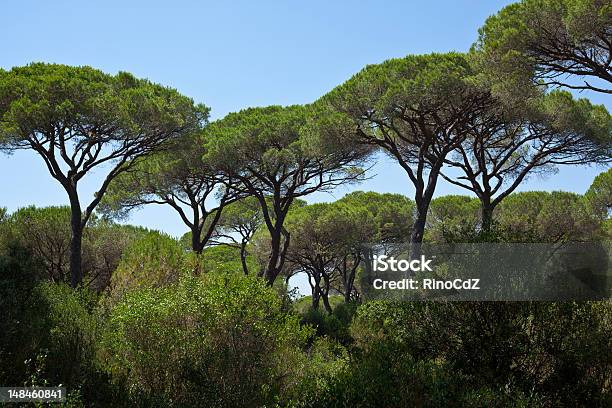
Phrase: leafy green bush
x=335 y=325
x=451 y=216
x=45 y=233
x=18 y=276
x=56 y=334
x=538 y=216
x=63 y=324
x=314 y=373
x=215 y=340
x=553 y=352
x=106 y=243
x=155 y=260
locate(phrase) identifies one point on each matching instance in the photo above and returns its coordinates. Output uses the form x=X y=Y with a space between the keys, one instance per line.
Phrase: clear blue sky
x=231 y=55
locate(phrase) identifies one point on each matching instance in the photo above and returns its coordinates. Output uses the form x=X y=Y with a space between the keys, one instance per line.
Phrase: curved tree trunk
x=325 y=298
x=423 y=198
x=279 y=244
x=325 y=294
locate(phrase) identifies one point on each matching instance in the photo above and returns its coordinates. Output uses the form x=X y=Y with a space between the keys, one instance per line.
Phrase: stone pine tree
x=392 y=216
x=237 y=225
x=277 y=155
x=80 y=120
x=505 y=146
x=415 y=110
x=179 y=178
x=560 y=42
x=328 y=246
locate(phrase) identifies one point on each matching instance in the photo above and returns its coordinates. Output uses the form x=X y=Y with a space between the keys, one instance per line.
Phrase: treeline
x=124 y=316
x=331 y=243
x=160 y=325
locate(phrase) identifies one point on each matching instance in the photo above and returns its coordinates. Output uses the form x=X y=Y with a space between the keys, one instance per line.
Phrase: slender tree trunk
x=279 y=244
x=315 y=300
x=348 y=276
x=351 y=284
x=271 y=269
x=196 y=244
x=423 y=199
x=346 y=280
x=243 y=256
x=325 y=294
x=418 y=230
x=347 y=293
x=325 y=297
x=316 y=293
x=76 y=239
x=486 y=215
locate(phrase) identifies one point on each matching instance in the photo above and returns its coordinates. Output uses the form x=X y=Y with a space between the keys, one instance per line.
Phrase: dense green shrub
x=18 y=276
x=214 y=340
x=54 y=335
x=63 y=324
x=154 y=260
x=549 y=351
x=335 y=325
x=315 y=372
x=451 y=216
x=599 y=195
x=106 y=243
x=45 y=234
x=384 y=377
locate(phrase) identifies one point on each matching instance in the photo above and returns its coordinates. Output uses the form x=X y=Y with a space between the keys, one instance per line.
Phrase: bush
x=155 y=260
x=63 y=324
x=18 y=276
x=45 y=233
x=104 y=249
x=314 y=373
x=55 y=343
x=224 y=258
x=216 y=340
x=335 y=325
x=552 y=352
x=537 y=216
